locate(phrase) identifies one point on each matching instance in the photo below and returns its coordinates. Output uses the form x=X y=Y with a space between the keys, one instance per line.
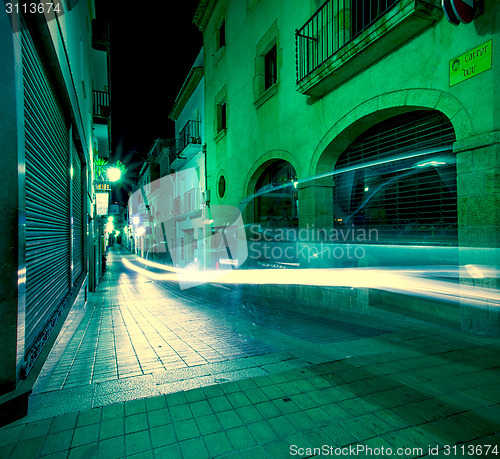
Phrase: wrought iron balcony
x=101 y=104
x=340 y=29
x=188 y=143
x=189 y=135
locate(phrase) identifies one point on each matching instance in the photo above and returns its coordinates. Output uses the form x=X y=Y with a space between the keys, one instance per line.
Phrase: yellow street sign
x=471 y=63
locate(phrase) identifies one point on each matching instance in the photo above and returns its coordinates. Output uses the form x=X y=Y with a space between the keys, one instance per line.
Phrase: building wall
x=65 y=54
x=311 y=132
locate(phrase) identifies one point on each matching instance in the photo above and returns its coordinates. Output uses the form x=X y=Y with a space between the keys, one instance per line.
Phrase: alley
x=149 y=370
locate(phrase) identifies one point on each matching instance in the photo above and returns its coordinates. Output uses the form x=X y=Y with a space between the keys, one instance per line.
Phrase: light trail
x=378 y=162
x=397 y=280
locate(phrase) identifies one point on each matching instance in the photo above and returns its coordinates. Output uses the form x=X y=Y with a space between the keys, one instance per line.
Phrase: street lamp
x=114 y=174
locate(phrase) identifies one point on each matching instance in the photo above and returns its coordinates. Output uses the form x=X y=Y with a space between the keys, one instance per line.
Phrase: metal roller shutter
x=400 y=178
x=77 y=214
x=47 y=202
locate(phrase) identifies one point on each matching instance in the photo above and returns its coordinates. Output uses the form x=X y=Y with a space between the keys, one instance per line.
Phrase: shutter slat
x=47 y=196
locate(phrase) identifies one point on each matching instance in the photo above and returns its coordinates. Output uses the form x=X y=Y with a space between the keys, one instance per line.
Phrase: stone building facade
x=54 y=77
x=340 y=115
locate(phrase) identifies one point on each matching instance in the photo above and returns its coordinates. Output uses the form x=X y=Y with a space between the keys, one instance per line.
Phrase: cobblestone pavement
x=149 y=370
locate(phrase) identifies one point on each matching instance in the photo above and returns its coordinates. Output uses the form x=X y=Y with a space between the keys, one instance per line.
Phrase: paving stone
x=217 y=444
x=36 y=429
x=64 y=422
x=194 y=448
x=168 y=452
x=248 y=414
x=339 y=435
x=28 y=448
x=238 y=399
x=180 y=412
x=186 y=429
x=112 y=428
x=57 y=442
x=112 y=448
x=208 y=424
x=319 y=417
x=284 y=426
x=256 y=452
x=136 y=423
x=137 y=442
x=88 y=451
x=163 y=435
x=85 y=435
x=278 y=448
x=134 y=407
x=11 y=434
x=262 y=431
x=229 y=419
x=220 y=403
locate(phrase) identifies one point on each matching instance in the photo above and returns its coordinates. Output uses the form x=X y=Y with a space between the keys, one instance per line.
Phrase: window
x=270 y=68
x=221 y=35
x=267 y=60
x=222 y=186
x=221 y=116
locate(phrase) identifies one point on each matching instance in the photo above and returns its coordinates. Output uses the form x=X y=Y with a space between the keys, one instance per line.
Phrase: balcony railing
x=101 y=104
x=333 y=26
x=190 y=134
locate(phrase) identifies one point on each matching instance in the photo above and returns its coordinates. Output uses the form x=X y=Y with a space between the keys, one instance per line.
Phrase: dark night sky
x=153 y=46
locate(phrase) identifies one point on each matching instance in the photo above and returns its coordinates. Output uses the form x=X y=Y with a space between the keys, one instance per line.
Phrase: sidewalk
x=147 y=370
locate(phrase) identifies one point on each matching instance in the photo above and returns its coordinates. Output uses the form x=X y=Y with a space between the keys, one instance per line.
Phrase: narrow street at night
x=213 y=371
x=250 y=229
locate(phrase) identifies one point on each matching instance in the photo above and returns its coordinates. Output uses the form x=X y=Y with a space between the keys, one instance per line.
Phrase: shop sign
x=471 y=63
x=102 y=185
x=102 y=201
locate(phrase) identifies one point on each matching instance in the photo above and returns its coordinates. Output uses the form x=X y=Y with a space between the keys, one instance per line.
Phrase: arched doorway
x=276 y=200
x=399 y=178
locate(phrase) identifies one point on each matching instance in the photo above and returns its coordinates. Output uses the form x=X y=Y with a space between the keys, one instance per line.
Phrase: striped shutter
x=400 y=178
x=47 y=201
x=77 y=215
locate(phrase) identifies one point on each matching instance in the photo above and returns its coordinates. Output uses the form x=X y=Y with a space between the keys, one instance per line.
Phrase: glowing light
x=365 y=165
x=227 y=261
x=21 y=276
x=109 y=227
x=114 y=174
x=474 y=272
x=405 y=281
x=367 y=188
x=140 y=231
x=295 y=184
x=110 y=219
x=431 y=163
x=136 y=220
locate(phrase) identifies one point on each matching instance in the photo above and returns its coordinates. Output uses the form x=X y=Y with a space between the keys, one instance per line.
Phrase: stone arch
x=260 y=164
x=256 y=171
x=380 y=108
